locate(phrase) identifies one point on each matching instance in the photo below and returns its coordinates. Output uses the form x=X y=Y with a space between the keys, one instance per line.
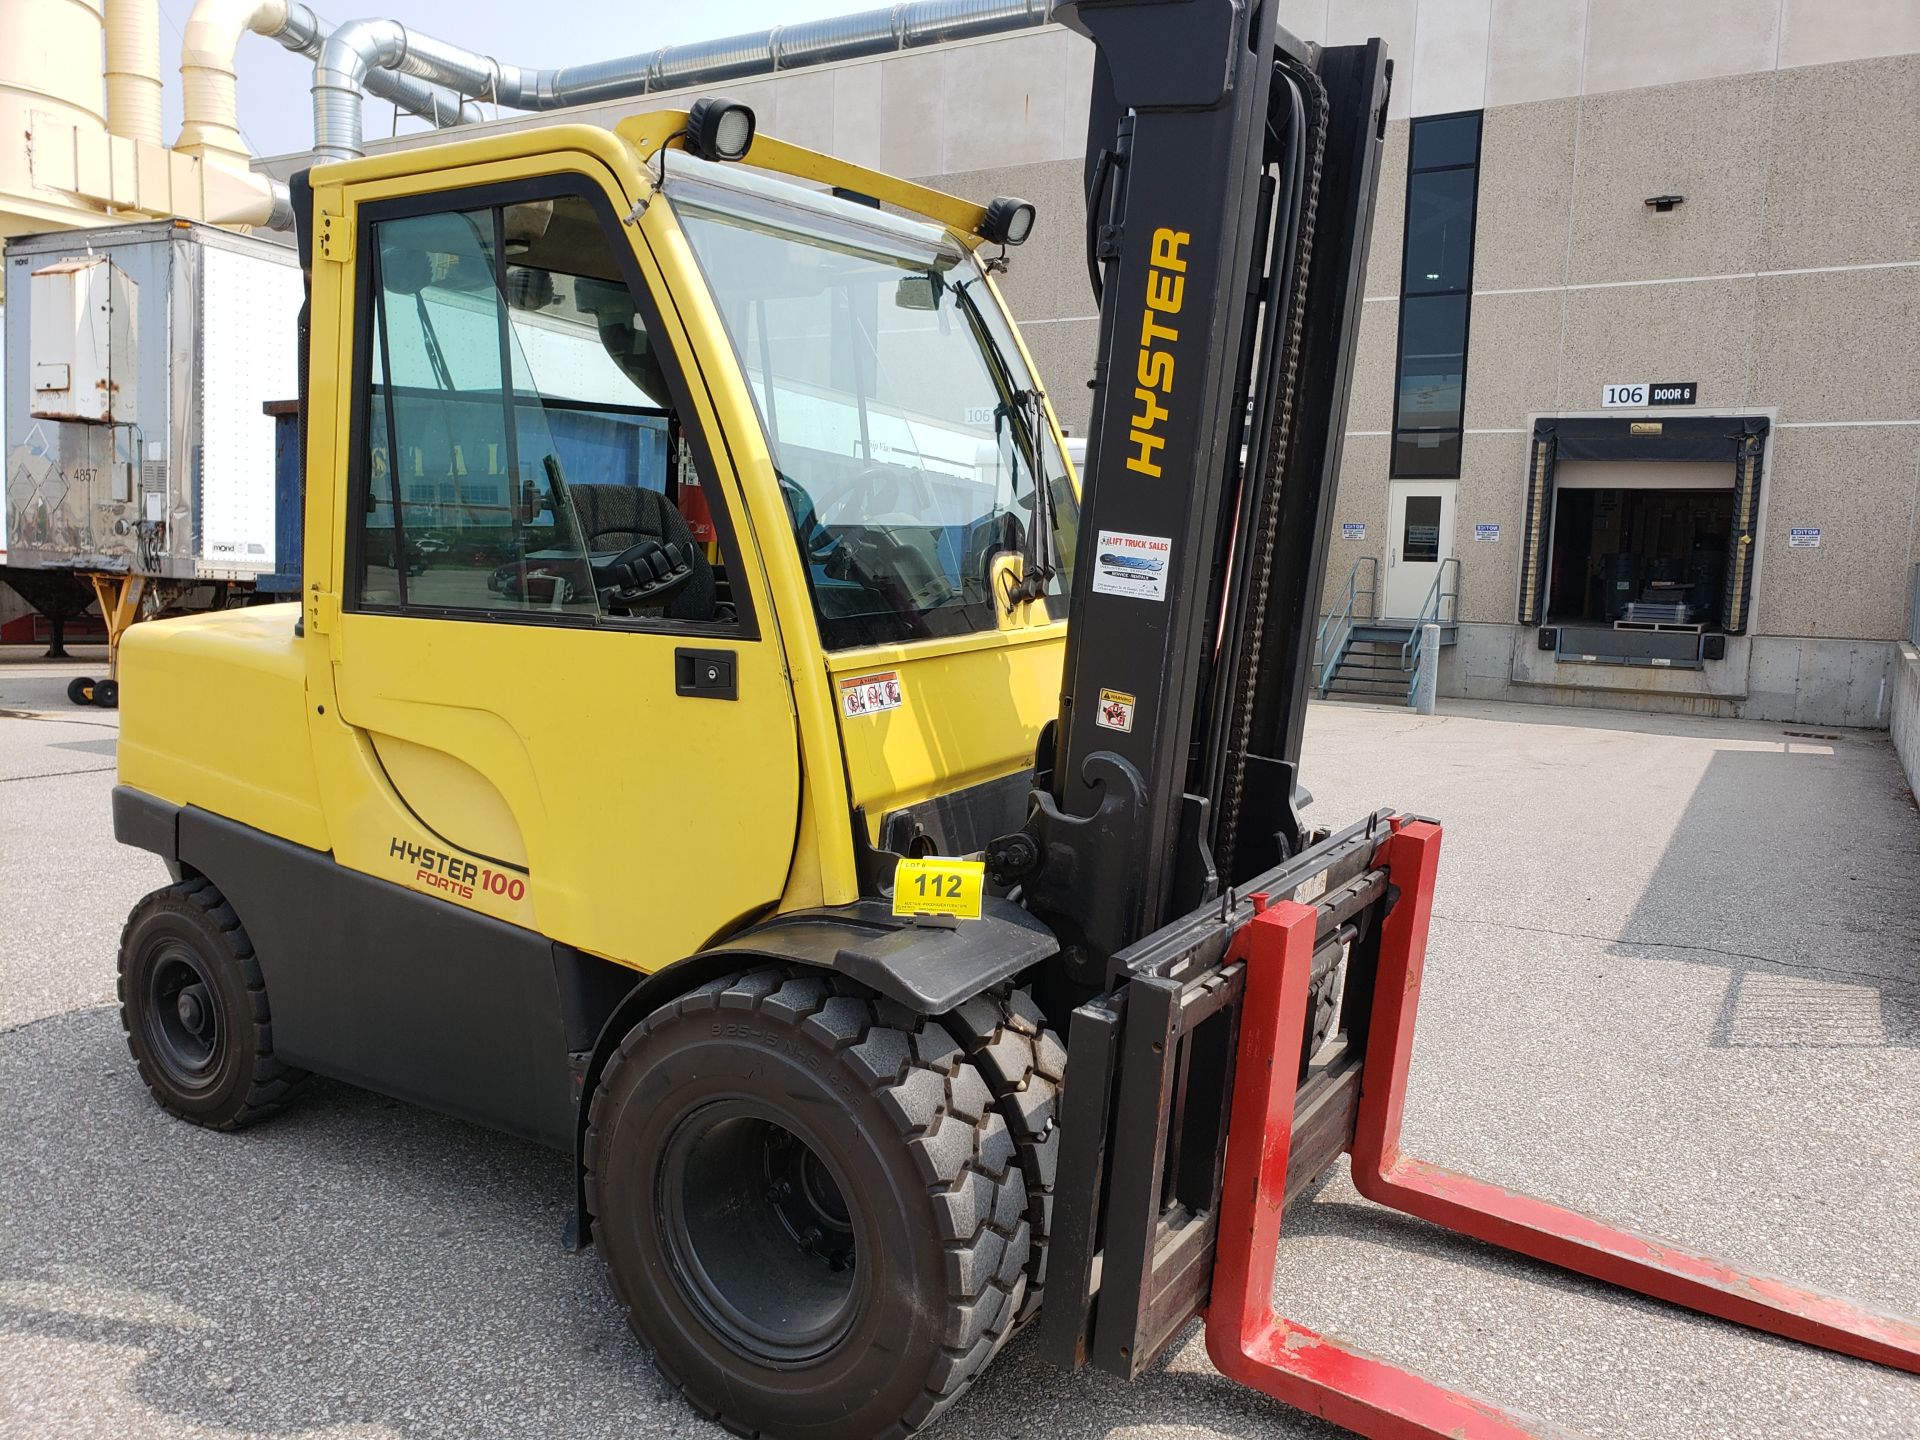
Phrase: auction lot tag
x=939 y=887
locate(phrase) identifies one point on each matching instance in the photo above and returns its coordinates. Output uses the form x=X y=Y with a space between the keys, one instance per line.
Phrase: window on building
x=1436 y=281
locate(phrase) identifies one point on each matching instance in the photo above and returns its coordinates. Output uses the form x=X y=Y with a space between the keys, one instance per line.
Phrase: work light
x=1009 y=221
x=719 y=129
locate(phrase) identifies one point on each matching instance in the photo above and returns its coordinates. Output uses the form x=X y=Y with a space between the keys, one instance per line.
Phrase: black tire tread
x=274 y=1084
x=945 y=1114
x=1024 y=1062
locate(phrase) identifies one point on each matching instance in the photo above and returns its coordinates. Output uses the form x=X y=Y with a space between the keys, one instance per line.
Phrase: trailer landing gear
x=1372 y=1397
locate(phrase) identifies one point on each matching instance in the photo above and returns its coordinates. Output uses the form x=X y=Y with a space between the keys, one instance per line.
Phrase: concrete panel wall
x=1848 y=683
x=1860 y=485
x=1905 y=719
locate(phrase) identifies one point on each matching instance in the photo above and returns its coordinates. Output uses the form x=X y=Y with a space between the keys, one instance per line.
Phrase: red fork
x=1368 y=1395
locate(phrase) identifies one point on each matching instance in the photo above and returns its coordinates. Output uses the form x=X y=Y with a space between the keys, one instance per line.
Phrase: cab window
x=910 y=442
x=523 y=458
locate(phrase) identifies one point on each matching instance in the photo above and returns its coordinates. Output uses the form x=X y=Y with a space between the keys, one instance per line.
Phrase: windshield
x=903 y=424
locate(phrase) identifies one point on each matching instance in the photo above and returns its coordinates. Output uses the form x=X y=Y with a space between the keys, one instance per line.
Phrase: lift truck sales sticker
x=866 y=694
x=1133 y=565
x=933 y=886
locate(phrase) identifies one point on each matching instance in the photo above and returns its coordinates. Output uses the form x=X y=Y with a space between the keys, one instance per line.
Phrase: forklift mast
x=1231 y=175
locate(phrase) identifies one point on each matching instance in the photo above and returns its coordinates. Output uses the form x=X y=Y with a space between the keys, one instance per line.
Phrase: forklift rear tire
x=194 y=1008
x=1024 y=1064
x=808 y=1204
x=80 y=691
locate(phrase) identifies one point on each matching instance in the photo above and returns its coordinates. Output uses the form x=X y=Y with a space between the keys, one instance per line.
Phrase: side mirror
x=919 y=292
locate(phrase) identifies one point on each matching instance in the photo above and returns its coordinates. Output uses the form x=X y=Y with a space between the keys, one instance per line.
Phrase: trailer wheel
x=1024 y=1063
x=194 y=1009
x=106 y=694
x=808 y=1205
x=80 y=691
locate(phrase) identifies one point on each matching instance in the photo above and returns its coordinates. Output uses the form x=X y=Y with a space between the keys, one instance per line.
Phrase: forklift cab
x=668 y=513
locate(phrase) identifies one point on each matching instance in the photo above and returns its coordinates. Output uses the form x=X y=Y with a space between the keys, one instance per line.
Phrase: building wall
x=1906 y=713
x=1787 y=284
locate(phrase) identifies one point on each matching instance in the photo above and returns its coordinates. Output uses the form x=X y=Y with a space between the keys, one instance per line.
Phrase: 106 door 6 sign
x=1640 y=393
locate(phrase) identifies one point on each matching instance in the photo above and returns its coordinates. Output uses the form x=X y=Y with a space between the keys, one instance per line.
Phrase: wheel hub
x=183 y=1026
x=759 y=1234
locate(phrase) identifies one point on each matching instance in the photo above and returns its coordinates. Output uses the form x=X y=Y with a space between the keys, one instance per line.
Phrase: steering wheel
x=815 y=539
x=895 y=482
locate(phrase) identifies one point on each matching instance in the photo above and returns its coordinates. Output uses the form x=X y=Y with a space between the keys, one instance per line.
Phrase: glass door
x=1419 y=539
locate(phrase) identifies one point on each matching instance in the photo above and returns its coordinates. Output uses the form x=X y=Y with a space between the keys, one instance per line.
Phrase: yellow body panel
x=452 y=798
x=970 y=709
x=550 y=776
x=216 y=716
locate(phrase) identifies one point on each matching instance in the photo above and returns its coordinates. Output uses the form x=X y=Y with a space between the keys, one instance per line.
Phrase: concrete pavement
x=1675 y=980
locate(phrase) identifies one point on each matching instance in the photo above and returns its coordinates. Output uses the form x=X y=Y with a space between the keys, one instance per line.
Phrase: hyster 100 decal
x=1166 y=291
x=454 y=874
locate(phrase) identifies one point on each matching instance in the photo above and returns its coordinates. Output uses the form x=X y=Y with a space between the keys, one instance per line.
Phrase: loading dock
x=1639 y=536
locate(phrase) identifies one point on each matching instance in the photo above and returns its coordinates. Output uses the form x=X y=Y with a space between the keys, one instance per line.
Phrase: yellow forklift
x=719 y=737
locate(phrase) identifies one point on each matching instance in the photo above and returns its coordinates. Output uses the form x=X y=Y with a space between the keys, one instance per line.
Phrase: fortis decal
x=438 y=870
x=1166 y=289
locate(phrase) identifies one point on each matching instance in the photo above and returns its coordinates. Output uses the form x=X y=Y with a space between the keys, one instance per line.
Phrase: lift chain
x=1260 y=553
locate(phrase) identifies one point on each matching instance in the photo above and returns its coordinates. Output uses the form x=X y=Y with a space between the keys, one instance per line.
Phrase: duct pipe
x=212 y=37
x=133 y=69
x=305 y=33
x=361 y=49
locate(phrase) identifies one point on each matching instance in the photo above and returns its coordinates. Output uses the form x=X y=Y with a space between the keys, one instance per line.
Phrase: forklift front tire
x=1005 y=1035
x=194 y=1008
x=808 y=1204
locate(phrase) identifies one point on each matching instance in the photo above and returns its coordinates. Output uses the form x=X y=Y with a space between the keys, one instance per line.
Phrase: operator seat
x=613 y=517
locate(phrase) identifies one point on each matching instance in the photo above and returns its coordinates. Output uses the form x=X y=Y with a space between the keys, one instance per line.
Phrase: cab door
x=533 y=736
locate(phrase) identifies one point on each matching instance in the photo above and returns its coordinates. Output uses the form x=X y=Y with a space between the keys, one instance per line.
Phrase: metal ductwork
x=360 y=51
x=211 y=38
x=306 y=34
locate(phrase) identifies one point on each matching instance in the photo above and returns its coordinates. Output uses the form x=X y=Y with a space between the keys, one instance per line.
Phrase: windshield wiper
x=1037 y=555
x=1026 y=406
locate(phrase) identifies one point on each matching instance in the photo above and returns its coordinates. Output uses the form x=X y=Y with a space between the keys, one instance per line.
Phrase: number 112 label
x=934 y=886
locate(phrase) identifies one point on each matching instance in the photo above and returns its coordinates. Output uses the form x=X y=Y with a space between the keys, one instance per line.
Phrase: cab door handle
x=706 y=674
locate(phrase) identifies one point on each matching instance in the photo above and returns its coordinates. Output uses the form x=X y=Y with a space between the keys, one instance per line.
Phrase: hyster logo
x=1165 y=290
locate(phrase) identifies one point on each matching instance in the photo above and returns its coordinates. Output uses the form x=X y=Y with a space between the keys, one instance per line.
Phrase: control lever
x=643 y=576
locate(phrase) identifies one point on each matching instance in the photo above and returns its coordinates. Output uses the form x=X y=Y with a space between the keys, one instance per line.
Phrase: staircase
x=1364 y=657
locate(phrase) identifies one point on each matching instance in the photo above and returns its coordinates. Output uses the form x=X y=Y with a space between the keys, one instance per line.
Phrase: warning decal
x=866 y=694
x=1115 y=712
x=1133 y=565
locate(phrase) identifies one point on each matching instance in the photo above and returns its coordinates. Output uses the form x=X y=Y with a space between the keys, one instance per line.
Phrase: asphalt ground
x=1674 y=980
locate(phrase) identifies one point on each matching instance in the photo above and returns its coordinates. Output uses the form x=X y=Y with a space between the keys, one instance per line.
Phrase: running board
x=1250 y=1343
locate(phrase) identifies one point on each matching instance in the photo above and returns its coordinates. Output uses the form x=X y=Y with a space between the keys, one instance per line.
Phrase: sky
x=276 y=111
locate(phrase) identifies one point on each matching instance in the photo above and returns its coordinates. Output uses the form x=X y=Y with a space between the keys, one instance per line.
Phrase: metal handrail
x=1340 y=623
x=1441 y=607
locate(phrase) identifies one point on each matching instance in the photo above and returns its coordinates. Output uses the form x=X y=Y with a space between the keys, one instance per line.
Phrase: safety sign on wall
x=1486 y=534
x=1133 y=565
x=1807 y=538
x=1351 y=531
